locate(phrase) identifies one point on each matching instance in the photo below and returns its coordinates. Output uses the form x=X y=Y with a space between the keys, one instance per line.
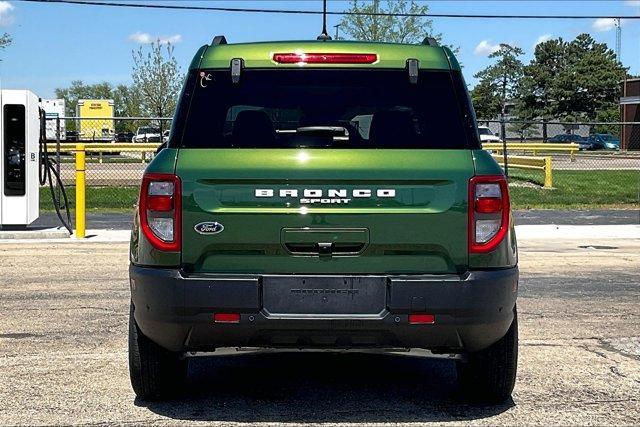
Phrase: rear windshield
x=336 y=108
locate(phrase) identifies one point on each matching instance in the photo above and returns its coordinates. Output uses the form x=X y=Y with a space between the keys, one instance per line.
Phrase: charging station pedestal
x=19 y=162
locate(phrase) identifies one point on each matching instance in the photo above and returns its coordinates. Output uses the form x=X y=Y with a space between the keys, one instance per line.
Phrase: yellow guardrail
x=529 y=163
x=101 y=148
x=534 y=147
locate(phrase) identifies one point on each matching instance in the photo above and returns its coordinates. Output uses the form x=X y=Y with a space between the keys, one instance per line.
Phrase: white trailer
x=54 y=109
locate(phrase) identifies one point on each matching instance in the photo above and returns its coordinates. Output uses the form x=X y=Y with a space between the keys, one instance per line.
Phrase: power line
x=319 y=12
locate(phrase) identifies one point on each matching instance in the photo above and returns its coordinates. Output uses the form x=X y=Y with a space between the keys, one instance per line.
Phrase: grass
x=572 y=190
x=576 y=190
x=98 y=199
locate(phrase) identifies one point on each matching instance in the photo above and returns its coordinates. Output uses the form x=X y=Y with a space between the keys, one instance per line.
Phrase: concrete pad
x=577 y=232
x=63 y=354
x=34 y=233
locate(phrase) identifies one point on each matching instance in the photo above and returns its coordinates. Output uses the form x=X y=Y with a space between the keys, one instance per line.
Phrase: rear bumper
x=472 y=311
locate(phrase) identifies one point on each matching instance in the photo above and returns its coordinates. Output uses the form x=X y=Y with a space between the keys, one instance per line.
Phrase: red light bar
x=160 y=203
x=422 y=319
x=226 y=318
x=325 y=58
x=489 y=205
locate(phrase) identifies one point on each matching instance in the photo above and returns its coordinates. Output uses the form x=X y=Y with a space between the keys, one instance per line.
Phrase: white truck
x=54 y=109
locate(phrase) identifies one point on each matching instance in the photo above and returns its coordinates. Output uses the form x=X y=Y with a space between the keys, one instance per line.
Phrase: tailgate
x=324 y=211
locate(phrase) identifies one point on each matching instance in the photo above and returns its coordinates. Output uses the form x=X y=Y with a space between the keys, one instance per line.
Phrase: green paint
x=259 y=55
x=421 y=229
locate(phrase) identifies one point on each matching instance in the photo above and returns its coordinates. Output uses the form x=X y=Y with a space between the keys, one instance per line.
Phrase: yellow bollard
x=80 y=191
x=548 y=177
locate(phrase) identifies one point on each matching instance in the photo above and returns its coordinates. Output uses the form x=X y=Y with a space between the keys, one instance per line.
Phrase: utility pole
x=618 y=39
x=336 y=27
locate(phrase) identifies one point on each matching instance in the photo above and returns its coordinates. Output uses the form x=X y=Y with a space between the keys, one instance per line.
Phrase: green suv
x=324 y=195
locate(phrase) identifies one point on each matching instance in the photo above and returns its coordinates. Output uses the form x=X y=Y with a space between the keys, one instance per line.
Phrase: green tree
x=387 y=28
x=79 y=90
x=498 y=83
x=591 y=79
x=577 y=80
x=486 y=101
x=157 y=79
x=126 y=100
x=538 y=89
x=525 y=130
x=5 y=41
x=608 y=115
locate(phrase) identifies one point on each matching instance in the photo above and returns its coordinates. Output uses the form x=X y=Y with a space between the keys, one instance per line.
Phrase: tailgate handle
x=325 y=241
x=325 y=248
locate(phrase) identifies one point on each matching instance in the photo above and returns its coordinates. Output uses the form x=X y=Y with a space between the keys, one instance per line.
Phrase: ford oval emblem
x=209 y=227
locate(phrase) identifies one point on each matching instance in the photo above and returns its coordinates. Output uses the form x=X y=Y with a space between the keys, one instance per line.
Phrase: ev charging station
x=20 y=158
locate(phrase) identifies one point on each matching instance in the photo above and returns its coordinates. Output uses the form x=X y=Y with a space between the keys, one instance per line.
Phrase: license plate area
x=324 y=296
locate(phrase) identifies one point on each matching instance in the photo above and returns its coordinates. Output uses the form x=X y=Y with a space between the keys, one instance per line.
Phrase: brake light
x=489 y=211
x=160 y=210
x=226 y=317
x=422 y=319
x=325 y=58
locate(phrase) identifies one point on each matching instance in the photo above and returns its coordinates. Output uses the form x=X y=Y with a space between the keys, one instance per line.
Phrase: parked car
x=124 y=136
x=487 y=136
x=146 y=134
x=567 y=138
x=603 y=141
x=278 y=218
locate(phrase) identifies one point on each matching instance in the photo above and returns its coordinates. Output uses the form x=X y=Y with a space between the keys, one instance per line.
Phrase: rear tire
x=489 y=375
x=155 y=372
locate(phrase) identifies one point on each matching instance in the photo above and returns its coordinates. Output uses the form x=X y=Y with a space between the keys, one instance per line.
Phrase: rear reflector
x=422 y=319
x=489 y=205
x=226 y=317
x=325 y=58
x=160 y=203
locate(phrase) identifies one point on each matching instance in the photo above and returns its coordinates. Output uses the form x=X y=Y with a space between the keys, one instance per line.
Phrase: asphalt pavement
x=122 y=221
x=63 y=359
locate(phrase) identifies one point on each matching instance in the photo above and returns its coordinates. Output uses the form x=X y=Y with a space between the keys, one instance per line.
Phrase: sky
x=54 y=44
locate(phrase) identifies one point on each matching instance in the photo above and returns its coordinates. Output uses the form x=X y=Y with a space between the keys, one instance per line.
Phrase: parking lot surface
x=63 y=359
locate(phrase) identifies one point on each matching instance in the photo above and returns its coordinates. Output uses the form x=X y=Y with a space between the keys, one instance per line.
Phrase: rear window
x=321 y=108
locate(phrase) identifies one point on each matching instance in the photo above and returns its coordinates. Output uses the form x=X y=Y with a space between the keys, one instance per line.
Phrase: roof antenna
x=324 y=36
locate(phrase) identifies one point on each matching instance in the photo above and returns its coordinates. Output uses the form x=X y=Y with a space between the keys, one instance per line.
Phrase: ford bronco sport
x=324 y=195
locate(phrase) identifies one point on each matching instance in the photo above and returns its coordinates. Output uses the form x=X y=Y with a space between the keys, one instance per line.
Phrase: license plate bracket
x=324 y=296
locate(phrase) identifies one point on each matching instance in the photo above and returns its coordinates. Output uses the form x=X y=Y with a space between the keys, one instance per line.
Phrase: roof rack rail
x=430 y=41
x=218 y=40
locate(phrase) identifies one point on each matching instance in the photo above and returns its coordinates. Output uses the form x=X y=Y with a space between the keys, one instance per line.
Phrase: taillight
x=489 y=212
x=325 y=58
x=160 y=210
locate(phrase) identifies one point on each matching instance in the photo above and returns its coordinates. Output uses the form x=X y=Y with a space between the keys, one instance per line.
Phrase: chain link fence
x=112 y=175
x=604 y=171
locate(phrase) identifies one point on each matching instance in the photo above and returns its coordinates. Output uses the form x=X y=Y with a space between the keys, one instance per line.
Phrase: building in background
x=630 y=112
x=54 y=109
x=95 y=120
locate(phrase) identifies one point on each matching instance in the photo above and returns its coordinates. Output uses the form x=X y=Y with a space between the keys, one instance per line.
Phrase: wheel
x=155 y=372
x=489 y=375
